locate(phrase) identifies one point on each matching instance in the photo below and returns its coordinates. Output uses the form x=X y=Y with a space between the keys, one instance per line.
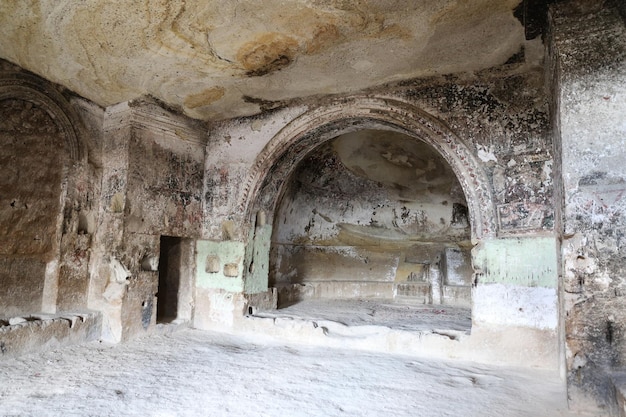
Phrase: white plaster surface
x=509 y=305
x=486 y=155
x=234 y=142
x=113 y=296
x=195 y=373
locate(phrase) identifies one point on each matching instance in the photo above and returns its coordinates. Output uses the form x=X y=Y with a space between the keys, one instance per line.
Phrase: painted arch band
x=297 y=139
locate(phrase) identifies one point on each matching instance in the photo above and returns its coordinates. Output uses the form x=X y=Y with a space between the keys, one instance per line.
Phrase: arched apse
x=372 y=214
x=296 y=140
x=276 y=163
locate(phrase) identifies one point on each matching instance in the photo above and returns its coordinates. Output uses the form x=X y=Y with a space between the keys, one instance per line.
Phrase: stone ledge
x=40 y=332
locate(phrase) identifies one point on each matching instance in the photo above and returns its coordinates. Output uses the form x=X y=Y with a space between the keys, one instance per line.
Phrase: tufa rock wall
x=589 y=65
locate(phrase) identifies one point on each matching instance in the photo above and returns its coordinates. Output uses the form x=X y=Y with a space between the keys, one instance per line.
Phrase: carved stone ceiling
x=218 y=59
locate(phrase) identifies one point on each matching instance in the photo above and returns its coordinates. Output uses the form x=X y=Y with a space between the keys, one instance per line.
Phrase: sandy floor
x=192 y=372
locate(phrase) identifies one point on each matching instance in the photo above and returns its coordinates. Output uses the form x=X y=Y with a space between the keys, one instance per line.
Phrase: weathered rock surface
x=219 y=59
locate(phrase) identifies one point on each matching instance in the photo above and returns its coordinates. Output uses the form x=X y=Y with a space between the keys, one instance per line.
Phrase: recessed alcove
x=372 y=214
x=169 y=279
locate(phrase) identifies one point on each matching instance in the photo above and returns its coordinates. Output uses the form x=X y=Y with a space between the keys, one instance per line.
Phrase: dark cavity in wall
x=533 y=15
x=169 y=279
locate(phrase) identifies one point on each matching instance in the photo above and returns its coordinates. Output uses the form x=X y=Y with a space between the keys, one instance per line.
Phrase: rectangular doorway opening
x=169 y=279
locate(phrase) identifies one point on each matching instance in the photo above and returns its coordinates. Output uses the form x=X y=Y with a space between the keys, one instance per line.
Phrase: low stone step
x=39 y=332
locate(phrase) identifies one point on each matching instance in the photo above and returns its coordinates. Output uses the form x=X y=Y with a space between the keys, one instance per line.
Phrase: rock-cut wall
x=493 y=131
x=589 y=66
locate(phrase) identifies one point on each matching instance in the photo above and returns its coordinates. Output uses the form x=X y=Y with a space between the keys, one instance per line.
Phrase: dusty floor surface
x=198 y=373
x=386 y=313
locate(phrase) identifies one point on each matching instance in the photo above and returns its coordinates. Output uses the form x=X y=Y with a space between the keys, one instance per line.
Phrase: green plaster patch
x=220 y=265
x=258 y=265
x=527 y=262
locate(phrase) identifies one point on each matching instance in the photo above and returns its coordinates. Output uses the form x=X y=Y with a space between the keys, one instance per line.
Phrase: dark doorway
x=169 y=279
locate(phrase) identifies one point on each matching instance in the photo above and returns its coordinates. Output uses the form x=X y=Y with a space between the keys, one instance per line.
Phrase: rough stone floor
x=199 y=373
x=372 y=312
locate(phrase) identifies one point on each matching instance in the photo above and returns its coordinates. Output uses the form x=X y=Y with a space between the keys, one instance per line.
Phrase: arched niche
x=41 y=156
x=289 y=146
x=268 y=177
x=40 y=94
x=372 y=214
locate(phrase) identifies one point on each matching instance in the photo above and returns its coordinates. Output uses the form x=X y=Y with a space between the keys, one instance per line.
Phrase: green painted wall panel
x=258 y=269
x=527 y=261
x=215 y=261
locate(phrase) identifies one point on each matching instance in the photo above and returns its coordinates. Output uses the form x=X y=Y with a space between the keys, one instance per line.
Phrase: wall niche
x=372 y=214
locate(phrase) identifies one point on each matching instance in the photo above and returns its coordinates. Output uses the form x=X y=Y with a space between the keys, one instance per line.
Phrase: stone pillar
x=80 y=211
x=108 y=275
x=588 y=47
x=434 y=277
x=257 y=256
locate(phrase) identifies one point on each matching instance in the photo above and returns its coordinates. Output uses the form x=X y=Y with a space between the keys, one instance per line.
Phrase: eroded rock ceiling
x=215 y=59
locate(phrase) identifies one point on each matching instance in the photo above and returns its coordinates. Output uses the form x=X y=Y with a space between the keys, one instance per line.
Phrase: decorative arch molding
x=274 y=165
x=30 y=88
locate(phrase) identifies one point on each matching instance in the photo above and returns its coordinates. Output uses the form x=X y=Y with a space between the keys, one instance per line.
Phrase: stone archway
x=278 y=159
x=267 y=178
x=372 y=214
